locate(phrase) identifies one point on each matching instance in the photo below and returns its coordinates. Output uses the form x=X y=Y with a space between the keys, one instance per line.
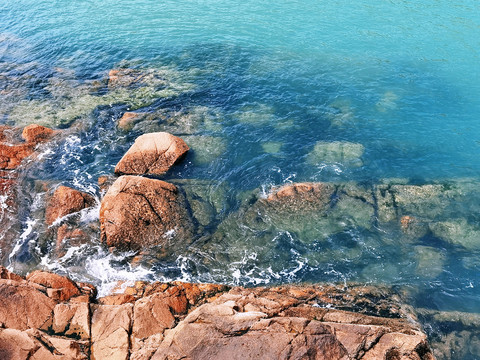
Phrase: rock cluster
x=139 y=212
x=47 y=316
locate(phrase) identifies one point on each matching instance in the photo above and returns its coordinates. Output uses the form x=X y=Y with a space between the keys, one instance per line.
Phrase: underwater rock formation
x=138 y=212
x=337 y=152
x=152 y=153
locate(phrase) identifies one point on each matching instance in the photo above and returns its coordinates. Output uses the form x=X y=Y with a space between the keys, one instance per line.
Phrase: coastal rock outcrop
x=65 y=201
x=152 y=153
x=138 y=212
x=204 y=321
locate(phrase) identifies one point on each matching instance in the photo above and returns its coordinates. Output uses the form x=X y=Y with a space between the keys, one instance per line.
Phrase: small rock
x=36 y=133
x=128 y=120
x=153 y=153
x=66 y=201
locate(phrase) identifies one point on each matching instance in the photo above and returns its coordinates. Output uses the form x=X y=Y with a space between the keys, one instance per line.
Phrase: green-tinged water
x=379 y=99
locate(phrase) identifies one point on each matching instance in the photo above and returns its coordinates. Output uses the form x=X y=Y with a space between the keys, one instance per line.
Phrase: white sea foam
x=28 y=229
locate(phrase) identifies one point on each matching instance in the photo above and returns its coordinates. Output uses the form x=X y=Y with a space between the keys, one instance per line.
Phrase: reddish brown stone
x=66 y=201
x=118 y=299
x=12 y=155
x=138 y=212
x=59 y=287
x=153 y=153
x=35 y=133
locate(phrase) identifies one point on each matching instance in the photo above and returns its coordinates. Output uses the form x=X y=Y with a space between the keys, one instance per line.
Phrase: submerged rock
x=456 y=334
x=205 y=148
x=128 y=120
x=152 y=153
x=207 y=199
x=429 y=261
x=345 y=152
x=65 y=201
x=458 y=232
x=139 y=213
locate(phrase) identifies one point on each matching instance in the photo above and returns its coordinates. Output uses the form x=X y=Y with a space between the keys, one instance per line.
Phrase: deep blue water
x=273 y=79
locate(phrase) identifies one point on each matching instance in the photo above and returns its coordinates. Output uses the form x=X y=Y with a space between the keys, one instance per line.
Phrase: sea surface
x=366 y=93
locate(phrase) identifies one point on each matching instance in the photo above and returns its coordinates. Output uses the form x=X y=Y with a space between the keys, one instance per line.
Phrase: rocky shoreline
x=48 y=316
x=156 y=218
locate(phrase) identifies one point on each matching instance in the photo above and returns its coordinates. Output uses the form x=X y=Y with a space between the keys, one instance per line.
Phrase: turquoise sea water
x=269 y=81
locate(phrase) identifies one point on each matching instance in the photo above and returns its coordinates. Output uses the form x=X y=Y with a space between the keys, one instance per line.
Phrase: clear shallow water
x=268 y=81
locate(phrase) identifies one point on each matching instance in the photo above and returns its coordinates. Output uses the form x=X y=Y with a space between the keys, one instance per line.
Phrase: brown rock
x=104 y=182
x=8 y=275
x=152 y=153
x=306 y=191
x=111 y=326
x=59 y=287
x=32 y=308
x=66 y=201
x=16 y=345
x=12 y=155
x=35 y=133
x=128 y=120
x=138 y=212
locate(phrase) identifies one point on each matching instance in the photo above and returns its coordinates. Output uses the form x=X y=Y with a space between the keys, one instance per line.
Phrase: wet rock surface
x=139 y=212
x=65 y=201
x=204 y=321
x=152 y=153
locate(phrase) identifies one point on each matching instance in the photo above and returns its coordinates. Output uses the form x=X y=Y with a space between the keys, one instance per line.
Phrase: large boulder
x=138 y=213
x=343 y=152
x=65 y=201
x=153 y=153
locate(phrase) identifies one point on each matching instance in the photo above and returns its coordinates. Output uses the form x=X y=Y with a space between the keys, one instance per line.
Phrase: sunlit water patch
x=377 y=99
